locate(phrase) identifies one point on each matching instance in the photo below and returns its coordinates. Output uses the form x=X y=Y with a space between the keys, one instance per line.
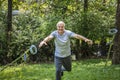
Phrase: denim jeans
x=62 y=64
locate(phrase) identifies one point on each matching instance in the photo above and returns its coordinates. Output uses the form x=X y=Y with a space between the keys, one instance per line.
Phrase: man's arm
x=77 y=36
x=45 y=41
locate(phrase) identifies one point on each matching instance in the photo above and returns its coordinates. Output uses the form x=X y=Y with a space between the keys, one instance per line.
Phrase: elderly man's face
x=60 y=28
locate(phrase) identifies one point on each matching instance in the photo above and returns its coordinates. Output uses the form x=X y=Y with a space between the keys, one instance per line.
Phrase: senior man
x=62 y=38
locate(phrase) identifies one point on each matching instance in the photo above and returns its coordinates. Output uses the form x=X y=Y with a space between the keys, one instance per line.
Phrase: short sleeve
x=53 y=33
x=70 y=33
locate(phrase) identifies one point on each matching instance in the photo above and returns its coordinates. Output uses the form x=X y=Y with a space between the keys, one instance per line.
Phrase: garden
x=25 y=23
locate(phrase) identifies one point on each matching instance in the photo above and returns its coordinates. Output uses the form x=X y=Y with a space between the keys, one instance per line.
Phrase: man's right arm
x=44 y=42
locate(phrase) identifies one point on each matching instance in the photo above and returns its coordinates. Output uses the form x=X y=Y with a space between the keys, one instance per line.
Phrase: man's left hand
x=89 y=42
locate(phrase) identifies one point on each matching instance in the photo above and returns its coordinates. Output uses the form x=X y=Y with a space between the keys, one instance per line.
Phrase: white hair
x=60 y=22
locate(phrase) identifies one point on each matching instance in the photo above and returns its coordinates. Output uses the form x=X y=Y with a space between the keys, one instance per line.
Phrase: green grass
x=91 y=69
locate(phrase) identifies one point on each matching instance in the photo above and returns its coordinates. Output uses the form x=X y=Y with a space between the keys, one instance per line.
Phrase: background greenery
x=38 y=18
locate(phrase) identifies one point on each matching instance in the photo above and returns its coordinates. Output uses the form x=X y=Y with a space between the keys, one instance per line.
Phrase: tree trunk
x=9 y=16
x=116 y=46
x=9 y=24
x=104 y=3
x=85 y=5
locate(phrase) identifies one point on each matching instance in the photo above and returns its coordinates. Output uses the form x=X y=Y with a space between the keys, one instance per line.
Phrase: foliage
x=38 y=18
x=2 y=31
x=26 y=31
x=91 y=69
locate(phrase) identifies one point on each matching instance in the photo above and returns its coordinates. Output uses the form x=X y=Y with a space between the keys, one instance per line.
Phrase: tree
x=116 y=48
x=85 y=5
x=9 y=26
x=9 y=19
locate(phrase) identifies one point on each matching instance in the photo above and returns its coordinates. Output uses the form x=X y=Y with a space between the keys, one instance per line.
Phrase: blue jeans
x=62 y=64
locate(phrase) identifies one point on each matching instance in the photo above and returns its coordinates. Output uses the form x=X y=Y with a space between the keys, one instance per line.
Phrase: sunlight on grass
x=91 y=69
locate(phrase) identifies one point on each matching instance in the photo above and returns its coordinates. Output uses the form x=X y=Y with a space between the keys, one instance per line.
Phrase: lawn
x=90 y=69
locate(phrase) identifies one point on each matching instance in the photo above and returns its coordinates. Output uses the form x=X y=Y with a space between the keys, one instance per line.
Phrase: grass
x=91 y=69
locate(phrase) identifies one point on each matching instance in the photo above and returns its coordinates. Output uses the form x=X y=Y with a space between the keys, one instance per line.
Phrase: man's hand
x=42 y=43
x=89 y=42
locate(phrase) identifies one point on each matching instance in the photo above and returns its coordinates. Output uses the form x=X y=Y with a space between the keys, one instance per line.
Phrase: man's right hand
x=42 y=43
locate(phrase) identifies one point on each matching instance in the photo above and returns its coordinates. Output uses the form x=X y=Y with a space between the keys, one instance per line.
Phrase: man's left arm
x=77 y=36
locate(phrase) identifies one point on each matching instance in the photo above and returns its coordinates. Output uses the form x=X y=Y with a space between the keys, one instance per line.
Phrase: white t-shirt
x=62 y=43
